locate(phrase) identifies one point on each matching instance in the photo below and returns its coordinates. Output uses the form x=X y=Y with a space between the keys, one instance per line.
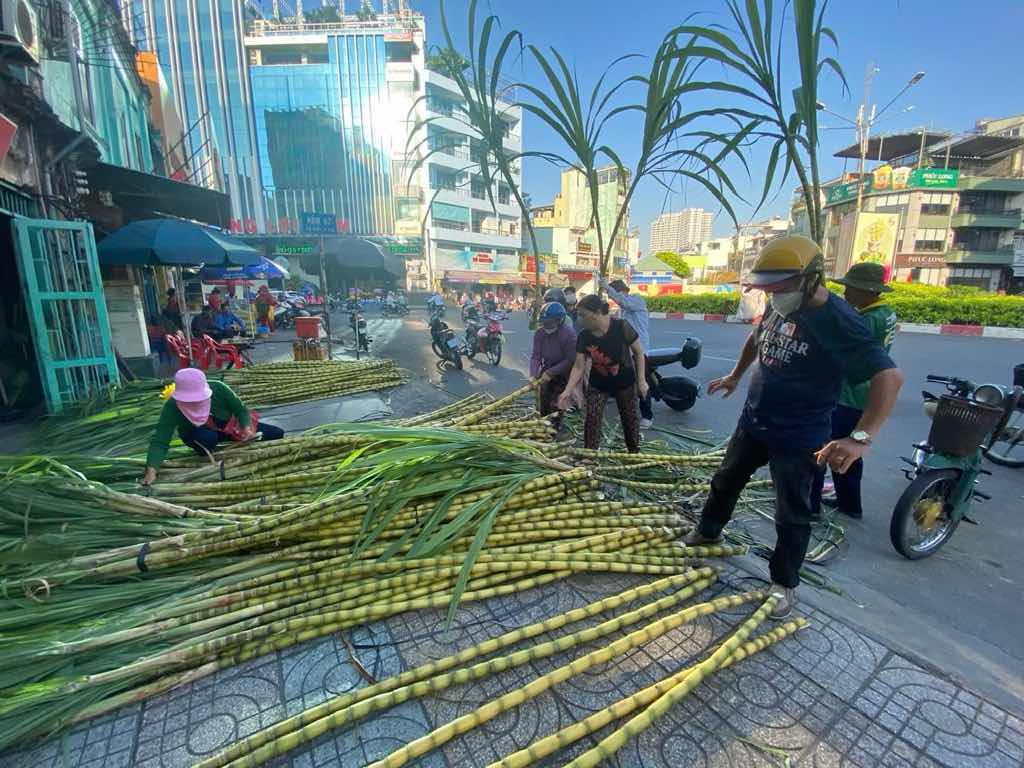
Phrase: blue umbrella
x=174 y=242
x=264 y=270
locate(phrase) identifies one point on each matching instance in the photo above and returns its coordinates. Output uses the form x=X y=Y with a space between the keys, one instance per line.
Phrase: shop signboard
x=293 y=250
x=312 y=223
x=920 y=260
x=875 y=239
x=886 y=179
x=404 y=249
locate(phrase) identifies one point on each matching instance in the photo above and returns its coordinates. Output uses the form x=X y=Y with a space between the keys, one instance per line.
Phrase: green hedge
x=957 y=305
x=705 y=303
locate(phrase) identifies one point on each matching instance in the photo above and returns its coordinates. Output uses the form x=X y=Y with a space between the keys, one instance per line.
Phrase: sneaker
x=696 y=539
x=787 y=599
x=646 y=423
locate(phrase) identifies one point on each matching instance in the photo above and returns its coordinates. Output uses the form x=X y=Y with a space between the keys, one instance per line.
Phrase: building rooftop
x=889 y=147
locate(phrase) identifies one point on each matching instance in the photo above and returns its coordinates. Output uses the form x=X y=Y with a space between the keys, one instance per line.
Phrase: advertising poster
x=875 y=239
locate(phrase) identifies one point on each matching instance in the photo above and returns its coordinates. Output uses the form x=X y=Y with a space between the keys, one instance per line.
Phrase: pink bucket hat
x=190 y=386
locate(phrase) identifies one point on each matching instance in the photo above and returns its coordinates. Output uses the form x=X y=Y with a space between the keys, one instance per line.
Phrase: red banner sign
x=483 y=258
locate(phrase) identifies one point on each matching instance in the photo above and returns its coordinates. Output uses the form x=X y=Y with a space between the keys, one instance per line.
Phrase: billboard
x=875 y=239
x=886 y=178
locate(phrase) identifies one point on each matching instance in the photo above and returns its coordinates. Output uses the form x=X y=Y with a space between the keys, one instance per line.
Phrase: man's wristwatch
x=861 y=436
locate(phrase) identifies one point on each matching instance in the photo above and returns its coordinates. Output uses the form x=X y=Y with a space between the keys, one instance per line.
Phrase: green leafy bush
x=956 y=305
x=706 y=303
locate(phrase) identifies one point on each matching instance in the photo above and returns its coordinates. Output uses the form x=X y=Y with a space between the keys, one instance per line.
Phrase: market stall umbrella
x=264 y=270
x=174 y=242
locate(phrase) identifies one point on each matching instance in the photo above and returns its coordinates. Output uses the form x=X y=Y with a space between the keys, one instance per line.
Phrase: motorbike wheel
x=456 y=360
x=922 y=522
x=438 y=350
x=470 y=348
x=494 y=352
x=1008 y=450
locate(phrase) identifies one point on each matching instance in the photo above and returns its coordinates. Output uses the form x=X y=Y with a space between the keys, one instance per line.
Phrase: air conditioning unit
x=19 y=31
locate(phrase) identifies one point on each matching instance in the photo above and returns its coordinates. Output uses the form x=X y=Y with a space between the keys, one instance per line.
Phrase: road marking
x=715 y=357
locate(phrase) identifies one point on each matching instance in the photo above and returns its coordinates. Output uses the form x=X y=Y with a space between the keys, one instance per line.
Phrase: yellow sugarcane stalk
x=492 y=709
x=573 y=733
x=612 y=743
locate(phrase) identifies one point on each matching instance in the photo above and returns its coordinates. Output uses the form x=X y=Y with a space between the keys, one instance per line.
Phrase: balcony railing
x=460 y=151
x=979 y=216
x=441 y=107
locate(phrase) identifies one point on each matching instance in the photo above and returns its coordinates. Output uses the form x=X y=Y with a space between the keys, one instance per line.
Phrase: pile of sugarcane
x=121 y=422
x=110 y=597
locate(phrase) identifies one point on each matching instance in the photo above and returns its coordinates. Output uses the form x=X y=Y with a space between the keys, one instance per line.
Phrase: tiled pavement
x=825 y=697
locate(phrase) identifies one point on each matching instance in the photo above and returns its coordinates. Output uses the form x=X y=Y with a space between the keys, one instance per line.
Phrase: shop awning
x=484 y=278
x=146 y=196
x=886 y=148
x=351 y=252
x=167 y=242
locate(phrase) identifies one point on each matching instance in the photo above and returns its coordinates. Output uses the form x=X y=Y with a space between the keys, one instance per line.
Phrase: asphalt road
x=958 y=610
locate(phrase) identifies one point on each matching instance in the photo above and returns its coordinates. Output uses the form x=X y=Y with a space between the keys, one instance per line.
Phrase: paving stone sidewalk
x=827 y=696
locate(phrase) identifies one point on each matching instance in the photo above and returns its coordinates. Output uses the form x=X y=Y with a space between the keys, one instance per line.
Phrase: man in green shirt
x=864 y=284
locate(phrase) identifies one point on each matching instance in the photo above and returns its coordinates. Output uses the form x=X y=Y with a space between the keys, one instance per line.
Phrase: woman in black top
x=617 y=370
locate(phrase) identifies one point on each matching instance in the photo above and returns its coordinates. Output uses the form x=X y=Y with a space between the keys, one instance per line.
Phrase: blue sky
x=969 y=50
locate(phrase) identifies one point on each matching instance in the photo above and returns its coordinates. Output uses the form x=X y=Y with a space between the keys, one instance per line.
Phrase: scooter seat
x=664 y=356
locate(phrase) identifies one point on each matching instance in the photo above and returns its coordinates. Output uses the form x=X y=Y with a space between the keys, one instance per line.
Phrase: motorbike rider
x=807 y=343
x=570 y=305
x=435 y=303
x=865 y=284
x=554 y=352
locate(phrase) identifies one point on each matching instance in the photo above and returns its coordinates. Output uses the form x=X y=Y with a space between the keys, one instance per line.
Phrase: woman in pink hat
x=203 y=413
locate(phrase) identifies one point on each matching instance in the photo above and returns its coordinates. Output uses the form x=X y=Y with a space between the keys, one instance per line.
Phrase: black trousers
x=844 y=421
x=793 y=475
x=205 y=437
x=646 y=404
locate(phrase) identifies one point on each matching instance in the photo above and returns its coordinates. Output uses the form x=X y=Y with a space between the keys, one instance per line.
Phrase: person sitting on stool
x=203 y=413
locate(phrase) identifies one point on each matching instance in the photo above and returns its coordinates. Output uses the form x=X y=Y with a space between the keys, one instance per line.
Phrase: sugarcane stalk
x=548 y=745
x=539 y=685
x=429 y=678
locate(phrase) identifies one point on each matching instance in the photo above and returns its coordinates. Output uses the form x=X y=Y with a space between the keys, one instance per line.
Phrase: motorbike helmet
x=554 y=295
x=783 y=259
x=552 y=315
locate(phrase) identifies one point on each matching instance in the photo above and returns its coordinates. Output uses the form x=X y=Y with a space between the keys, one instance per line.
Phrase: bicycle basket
x=960 y=425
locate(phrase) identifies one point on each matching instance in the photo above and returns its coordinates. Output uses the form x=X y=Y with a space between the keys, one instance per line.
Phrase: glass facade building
x=200 y=47
x=325 y=131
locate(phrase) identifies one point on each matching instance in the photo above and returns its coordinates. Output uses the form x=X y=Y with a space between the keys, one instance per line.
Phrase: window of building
x=935 y=204
x=503 y=194
x=930 y=240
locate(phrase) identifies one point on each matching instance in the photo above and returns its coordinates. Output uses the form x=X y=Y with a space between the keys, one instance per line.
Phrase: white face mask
x=788 y=302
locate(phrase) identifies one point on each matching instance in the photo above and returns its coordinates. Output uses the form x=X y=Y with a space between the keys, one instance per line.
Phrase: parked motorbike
x=286 y=311
x=677 y=392
x=474 y=322
x=967 y=423
x=443 y=339
x=1006 y=447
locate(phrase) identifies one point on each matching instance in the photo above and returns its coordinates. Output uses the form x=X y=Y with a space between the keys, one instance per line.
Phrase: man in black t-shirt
x=808 y=341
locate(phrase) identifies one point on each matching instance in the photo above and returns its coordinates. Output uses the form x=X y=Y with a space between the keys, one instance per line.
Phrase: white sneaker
x=646 y=423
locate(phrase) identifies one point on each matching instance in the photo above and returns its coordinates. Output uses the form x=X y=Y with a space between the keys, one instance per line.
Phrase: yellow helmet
x=784 y=258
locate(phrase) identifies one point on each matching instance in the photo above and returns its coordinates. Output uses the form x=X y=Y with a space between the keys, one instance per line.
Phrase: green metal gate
x=66 y=307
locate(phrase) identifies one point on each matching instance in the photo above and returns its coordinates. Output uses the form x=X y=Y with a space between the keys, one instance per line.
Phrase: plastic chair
x=176 y=348
x=219 y=354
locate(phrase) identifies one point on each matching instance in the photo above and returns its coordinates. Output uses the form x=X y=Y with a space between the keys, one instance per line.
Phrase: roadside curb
x=986 y=331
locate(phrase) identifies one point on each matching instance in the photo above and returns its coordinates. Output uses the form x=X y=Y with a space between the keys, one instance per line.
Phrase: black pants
x=844 y=421
x=646 y=406
x=793 y=475
x=206 y=438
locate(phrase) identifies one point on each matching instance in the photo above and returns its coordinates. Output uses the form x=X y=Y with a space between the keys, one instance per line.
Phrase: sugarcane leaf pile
x=111 y=596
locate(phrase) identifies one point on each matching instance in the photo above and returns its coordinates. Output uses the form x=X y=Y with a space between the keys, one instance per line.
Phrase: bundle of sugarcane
x=421 y=517
x=298 y=381
x=120 y=422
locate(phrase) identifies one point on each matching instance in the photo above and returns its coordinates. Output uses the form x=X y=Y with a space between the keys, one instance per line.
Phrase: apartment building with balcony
x=957 y=200
x=565 y=226
x=473 y=233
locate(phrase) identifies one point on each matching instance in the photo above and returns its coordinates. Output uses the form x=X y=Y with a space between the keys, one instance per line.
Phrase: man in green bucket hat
x=864 y=284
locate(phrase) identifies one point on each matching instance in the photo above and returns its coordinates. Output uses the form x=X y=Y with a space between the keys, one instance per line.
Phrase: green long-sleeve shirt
x=223 y=405
x=881 y=320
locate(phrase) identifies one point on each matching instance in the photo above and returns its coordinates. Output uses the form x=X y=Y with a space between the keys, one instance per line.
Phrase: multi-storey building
x=680 y=231
x=565 y=227
x=473 y=234
x=946 y=216
x=199 y=45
